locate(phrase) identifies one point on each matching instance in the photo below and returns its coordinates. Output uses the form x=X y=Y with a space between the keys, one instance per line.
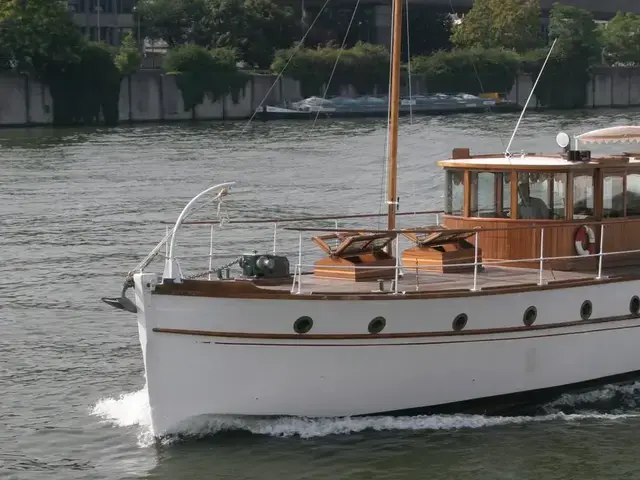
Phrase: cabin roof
x=537 y=162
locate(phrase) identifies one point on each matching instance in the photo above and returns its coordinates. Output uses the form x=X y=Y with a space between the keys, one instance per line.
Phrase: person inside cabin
x=531 y=207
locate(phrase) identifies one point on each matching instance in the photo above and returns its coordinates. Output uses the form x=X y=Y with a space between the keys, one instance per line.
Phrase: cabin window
x=583 y=195
x=633 y=195
x=542 y=195
x=490 y=195
x=613 y=195
x=455 y=192
x=483 y=195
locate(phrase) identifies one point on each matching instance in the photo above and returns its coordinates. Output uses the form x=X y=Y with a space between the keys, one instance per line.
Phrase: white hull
x=236 y=369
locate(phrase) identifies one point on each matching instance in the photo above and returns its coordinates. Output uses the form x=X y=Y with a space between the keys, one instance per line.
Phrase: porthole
x=377 y=325
x=303 y=324
x=634 y=306
x=530 y=315
x=460 y=322
x=586 y=310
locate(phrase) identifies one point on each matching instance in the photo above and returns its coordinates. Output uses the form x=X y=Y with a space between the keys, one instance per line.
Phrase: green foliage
x=37 y=34
x=364 y=66
x=39 y=38
x=177 y=22
x=254 y=28
x=564 y=81
x=86 y=91
x=576 y=31
x=621 y=39
x=201 y=72
x=509 y=24
x=128 y=58
x=429 y=28
x=471 y=71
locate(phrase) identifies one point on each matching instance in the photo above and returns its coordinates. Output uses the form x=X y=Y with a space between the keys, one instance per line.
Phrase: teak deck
x=489 y=277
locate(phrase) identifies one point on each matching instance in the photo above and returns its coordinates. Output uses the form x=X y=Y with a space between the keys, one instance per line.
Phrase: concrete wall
x=151 y=96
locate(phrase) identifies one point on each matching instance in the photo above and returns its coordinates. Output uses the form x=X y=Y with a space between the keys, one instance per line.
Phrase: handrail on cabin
x=531 y=226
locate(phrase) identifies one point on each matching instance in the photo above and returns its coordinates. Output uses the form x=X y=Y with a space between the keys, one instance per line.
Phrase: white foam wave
x=132 y=409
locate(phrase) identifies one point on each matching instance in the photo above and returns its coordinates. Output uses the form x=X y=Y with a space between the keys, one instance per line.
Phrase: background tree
x=175 y=21
x=254 y=28
x=621 y=39
x=38 y=35
x=576 y=31
x=510 y=24
x=430 y=30
x=39 y=38
x=564 y=81
x=127 y=58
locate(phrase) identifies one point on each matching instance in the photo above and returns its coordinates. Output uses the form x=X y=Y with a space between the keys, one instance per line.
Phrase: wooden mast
x=394 y=110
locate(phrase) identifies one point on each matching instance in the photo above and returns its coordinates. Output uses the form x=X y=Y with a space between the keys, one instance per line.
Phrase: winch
x=255 y=265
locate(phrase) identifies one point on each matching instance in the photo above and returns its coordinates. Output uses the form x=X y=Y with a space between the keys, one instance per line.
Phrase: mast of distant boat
x=394 y=110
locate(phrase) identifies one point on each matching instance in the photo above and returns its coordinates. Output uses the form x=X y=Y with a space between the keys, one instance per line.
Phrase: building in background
x=105 y=20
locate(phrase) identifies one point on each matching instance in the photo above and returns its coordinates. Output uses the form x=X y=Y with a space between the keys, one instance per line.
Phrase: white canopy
x=623 y=134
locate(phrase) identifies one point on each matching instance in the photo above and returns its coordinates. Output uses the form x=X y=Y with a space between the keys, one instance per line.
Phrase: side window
x=454 y=202
x=541 y=195
x=583 y=194
x=633 y=195
x=613 y=195
x=484 y=195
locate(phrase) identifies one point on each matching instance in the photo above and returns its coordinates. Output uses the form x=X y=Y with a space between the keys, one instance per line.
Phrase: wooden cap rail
x=306 y=219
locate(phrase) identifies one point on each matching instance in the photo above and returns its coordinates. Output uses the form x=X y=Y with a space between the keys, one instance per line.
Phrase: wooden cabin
x=508 y=200
x=574 y=194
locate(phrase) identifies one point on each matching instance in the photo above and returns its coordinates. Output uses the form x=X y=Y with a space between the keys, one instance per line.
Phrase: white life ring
x=585 y=241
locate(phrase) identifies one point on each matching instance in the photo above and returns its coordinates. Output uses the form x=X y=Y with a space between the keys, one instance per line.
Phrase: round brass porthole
x=303 y=324
x=586 y=310
x=634 y=306
x=460 y=322
x=530 y=315
x=377 y=325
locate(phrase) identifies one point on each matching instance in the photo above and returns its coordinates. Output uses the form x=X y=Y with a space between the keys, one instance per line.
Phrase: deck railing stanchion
x=540 y=280
x=275 y=236
x=395 y=289
x=300 y=263
x=475 y=263
x=600 y=253
x=210 y=251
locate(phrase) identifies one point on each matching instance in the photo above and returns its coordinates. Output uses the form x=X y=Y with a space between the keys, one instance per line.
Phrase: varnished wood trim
x=514 y=195
x=248 y=291
x=387 y=336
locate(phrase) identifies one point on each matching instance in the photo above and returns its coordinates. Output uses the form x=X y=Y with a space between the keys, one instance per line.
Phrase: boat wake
x=610 y=403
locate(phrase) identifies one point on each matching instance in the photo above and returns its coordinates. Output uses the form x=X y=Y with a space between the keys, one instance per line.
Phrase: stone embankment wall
x=153 y=97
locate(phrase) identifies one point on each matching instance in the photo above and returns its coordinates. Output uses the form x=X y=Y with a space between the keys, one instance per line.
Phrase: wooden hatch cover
x=440 y=251
x=351 y=250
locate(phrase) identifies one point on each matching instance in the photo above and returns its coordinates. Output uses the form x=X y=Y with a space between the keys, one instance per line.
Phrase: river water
x=79 y=208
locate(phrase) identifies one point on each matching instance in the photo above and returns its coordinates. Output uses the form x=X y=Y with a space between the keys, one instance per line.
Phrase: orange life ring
x=585 y=241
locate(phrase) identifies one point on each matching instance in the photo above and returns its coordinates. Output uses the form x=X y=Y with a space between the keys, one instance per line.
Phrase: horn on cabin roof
x=622 y=134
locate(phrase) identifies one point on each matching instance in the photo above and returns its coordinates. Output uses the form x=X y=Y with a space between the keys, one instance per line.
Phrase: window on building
x=613 y=195
x=126 y=6
x=583 y=195
x=633 y=195
x=103 y=6
x=454 y=201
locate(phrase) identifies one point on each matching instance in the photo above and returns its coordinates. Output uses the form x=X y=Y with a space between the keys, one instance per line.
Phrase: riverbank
x=150 y=96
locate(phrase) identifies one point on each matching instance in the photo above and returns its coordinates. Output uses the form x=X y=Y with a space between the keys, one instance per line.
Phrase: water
x=79 y=208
